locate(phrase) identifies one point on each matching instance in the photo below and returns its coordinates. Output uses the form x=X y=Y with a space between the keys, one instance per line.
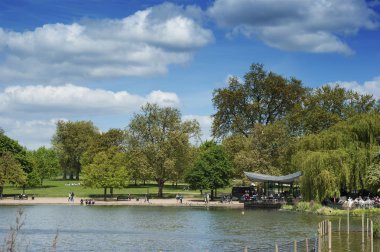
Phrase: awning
x=257 y=177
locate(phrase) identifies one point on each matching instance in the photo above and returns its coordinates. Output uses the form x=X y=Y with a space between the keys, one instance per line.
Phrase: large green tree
x=161 y=137
x=339 y=159
x=10 y=171
x=212 y=168
x=45 y=164
x=262 y=98
x=109 y=169
x=70 y=141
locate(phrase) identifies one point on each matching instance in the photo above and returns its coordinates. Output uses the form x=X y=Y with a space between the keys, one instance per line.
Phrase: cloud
x=30 y=133
x=296 y=25
x=29 y=113
x=142 y=44
x=371 y=87
x=70 y=99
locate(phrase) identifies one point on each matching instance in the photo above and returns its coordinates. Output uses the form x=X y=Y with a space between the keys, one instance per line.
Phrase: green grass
x=60 y=188
x=317 y=208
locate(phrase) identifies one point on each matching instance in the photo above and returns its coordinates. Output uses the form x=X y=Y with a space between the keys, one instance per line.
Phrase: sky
x=101 y=60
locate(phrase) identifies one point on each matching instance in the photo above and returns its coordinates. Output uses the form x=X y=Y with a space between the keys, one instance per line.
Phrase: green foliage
x=161 y=141
x=263 y=98
x=337 y=159
x=108 y=170
x=70 y=141
x=45 y=165
x=324 y=107
x=10 y=171
x=212 y=169
x=267 y=150
x=19 y=153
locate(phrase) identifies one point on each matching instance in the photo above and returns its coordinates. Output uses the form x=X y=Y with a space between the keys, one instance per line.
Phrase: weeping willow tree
x=337 y=159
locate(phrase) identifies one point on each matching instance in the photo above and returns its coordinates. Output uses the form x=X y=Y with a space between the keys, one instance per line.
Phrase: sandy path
x=152 y=202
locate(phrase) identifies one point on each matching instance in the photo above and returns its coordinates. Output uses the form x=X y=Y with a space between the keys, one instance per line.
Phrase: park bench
x=123 y=197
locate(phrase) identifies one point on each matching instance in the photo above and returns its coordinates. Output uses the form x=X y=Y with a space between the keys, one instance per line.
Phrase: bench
x=123 y=197
x=8 y=195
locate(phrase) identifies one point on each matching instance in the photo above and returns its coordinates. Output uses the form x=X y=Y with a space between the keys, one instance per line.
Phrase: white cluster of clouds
x=296 y=25
x=142 y=44
x=368 y=87
x=69 y=100
x=30 y=112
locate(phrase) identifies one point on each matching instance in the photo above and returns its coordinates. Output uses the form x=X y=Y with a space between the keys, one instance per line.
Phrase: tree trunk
x=1 y=191
x=201 y=191
x=111 y=191
x=161 y=184
x=105 y=193
x=212 y=194
x=71 y=175
x=144 y=181
x=135 y=182
x=64 y=175
x=216 y=192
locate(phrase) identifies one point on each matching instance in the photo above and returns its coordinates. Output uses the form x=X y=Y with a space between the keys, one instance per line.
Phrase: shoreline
x=190 y=202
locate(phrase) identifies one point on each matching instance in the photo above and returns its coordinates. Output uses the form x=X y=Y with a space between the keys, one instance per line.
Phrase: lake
x=137 y=228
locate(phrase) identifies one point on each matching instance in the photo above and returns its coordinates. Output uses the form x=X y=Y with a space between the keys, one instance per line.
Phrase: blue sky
x=101 y=60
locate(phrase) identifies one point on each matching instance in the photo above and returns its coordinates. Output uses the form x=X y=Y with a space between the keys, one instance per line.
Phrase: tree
x=373 y=175
x=211 y=170
x=70 y=141
x=323 y=107
x=19 y=153
x=267 y=150
x=45 y=164
x=109 y=169
x=10 y=171
x=263 y=98
x=339 y=159
x=159 y=135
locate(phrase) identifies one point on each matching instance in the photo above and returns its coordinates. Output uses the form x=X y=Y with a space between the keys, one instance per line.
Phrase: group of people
x=179 y=198
x=87 y=201
x=71 y=197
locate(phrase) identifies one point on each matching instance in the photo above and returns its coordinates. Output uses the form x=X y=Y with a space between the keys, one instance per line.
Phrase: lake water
x=134 y=228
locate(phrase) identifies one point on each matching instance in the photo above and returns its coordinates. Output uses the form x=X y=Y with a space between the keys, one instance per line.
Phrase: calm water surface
x=134 y=228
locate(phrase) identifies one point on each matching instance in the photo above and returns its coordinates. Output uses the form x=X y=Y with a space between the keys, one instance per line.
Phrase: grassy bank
x=61 y=188
x=317 y=208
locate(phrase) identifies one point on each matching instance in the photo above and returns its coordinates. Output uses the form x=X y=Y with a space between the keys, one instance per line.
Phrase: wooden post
x=307 y=245
x=363 y=228
x=329 y=231
x=371 y=236
x=276 y=247
x=348 y=221
x=339 y=224
x=295 y=245
x=323 y=228
x=367 y=226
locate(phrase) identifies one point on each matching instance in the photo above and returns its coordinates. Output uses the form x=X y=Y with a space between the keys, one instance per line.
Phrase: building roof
x=257 y=177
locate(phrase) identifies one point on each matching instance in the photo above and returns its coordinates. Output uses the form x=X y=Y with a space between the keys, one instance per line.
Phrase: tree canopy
x=263 y=98
x=211 y=170
x=109 y=169
x=160 y=138
x=70 y=141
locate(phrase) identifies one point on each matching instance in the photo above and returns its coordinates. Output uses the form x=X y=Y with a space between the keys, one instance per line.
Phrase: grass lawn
x=62 y=188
